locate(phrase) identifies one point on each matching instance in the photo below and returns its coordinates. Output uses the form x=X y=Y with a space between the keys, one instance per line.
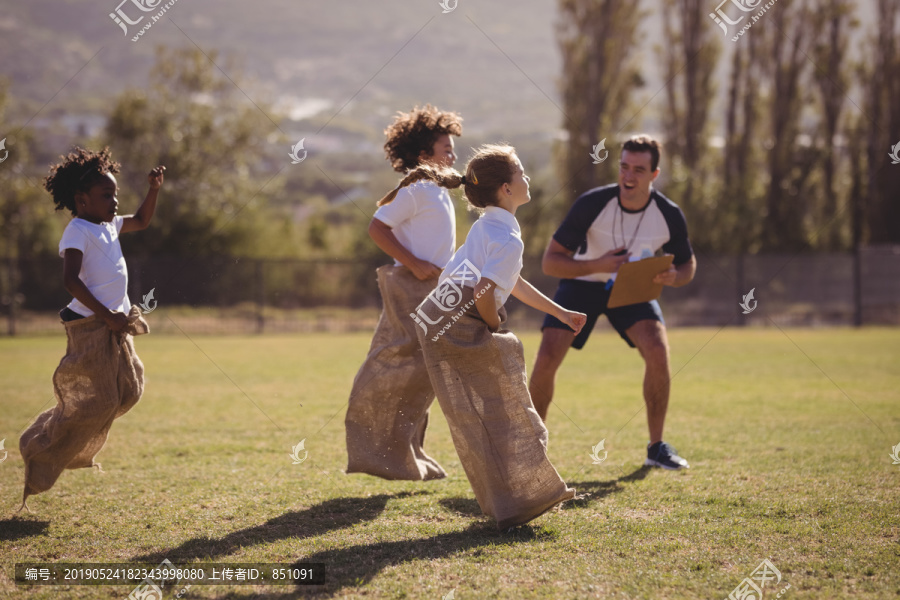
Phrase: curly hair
x=487 y=171
x=415 y=132
x=79 y=171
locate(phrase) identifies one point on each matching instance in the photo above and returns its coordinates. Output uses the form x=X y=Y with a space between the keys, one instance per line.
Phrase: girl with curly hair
x=387 y=414
x=100 y=378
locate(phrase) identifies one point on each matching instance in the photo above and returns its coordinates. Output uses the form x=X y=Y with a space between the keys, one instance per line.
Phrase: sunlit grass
x=788 y=435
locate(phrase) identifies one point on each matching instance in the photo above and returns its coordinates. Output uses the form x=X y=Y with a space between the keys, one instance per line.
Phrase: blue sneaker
x=663 y=455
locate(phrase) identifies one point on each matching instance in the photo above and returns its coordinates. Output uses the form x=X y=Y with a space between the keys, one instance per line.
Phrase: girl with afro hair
x=388 y=409
x=101 y=377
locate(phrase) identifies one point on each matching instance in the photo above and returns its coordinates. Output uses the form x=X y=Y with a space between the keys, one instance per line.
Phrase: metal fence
x=247 y=296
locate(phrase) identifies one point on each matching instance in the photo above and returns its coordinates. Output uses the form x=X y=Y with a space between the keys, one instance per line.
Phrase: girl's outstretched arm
x=141 y=219
x=533 y=297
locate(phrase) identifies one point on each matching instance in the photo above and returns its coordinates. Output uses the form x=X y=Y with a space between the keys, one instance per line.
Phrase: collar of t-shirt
x=495 y=213
x=101 y=225
x=637 y=210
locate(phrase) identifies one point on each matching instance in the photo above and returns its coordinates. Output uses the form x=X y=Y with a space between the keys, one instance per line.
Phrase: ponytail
x=442 y=176
x=487 y=171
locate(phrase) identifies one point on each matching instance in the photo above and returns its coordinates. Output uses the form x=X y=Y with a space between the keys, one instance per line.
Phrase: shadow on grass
x=589 y=491
x=337 y=513
x=16 y=529
x=466 y=507
x=356 y=566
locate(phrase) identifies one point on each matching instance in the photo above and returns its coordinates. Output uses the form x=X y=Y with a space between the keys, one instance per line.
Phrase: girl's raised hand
x=155 y=179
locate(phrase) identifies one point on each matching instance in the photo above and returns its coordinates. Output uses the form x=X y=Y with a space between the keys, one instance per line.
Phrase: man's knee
x=657 y=351
x=651 y=340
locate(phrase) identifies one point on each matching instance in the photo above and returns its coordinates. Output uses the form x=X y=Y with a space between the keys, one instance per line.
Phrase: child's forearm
x=533 y=297
x=486 y=303
x=147 y=208
x=76 y=287
x=141 y=219
x=385 y=239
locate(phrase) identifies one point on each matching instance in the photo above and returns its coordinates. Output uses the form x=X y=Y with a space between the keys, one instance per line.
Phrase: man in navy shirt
x=605 y=227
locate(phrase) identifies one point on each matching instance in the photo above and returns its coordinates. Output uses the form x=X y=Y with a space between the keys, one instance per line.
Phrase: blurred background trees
x=776 y=142
x=189 y=119
x=806 y=120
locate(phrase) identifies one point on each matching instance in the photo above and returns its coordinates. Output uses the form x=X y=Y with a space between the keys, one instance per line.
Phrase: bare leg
x=554 y=345
x=650 y=338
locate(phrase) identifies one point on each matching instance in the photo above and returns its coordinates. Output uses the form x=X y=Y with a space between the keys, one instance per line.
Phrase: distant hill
x=495 y=61
x=385 y=54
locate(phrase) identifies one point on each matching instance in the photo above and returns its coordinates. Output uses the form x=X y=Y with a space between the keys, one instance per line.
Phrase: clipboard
x=634 y=281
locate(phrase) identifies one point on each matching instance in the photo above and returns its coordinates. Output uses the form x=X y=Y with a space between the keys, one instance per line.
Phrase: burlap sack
x=388 y=410
x=480 y=381
x=98 y=380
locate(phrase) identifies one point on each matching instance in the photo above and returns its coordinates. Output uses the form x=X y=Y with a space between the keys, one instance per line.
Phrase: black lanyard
x=622 y=226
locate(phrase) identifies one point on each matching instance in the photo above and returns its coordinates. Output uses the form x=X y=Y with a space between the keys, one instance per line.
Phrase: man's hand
x=678 y=276
x=612 y=260
x=666 y=277
x=560 y=262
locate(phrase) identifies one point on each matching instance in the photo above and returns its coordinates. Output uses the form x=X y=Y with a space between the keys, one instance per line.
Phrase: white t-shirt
x=597 y=223
x=494 y=247
x=103 y=268
x=423 y=220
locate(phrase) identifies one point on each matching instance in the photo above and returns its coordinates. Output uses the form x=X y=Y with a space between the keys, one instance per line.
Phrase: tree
x=790 y=163
x=196 y=121
x=690 y=55
x=882 y=111
x=597 y=39
x=832 y=80
x=28 y=229
x=742 y=188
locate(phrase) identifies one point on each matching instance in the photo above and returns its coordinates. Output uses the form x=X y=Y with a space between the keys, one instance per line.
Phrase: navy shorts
x=590 y=298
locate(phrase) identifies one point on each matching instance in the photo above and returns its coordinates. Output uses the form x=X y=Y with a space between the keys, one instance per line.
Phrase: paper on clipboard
x=634 y=281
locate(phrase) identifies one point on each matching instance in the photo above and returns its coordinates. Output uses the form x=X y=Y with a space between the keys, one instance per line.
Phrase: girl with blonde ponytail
x=415 y=224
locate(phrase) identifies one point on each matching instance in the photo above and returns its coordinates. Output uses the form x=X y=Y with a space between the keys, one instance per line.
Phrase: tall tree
x=742 y=186
x=597 y=39
x=197 y=122
x=691 y=52
x=832 y=77
x=881 y=81
x=790 y=163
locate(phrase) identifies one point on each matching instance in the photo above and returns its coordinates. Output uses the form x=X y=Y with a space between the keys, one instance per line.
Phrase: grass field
x=788 y=434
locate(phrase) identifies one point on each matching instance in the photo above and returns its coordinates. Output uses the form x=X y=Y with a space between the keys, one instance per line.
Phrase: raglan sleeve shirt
x=679 y=245
x=572 y=232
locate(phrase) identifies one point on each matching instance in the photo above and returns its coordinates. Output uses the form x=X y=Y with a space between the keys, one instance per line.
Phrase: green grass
x=788 y=435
